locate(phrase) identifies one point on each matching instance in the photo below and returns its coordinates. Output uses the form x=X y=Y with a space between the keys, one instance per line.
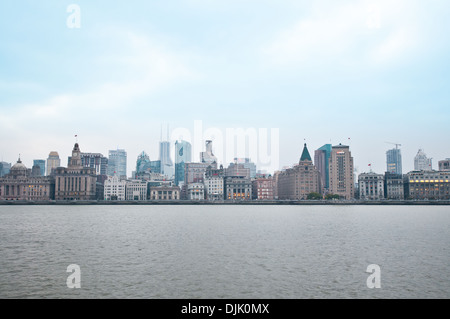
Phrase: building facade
x=238 y=188
x=238 y=169
x=161 y=193
x=371 y=186
x=429 y=185
x=262 y=188
x=341 y=172
x=20 y=185
x=194 y=172
x=117 y=163
x=167 y=167
x=196 y=191
x=114 y=189
x=298 y=182
x=96 y=161
x=444 y=165
x=136 y=190
x=183 y=155
x=53 y=162
x=247 y=164
x=393 y=186
x=422 y=162
x=394 y=161
x=75 y=182
x=214 y=184
x=321 y=161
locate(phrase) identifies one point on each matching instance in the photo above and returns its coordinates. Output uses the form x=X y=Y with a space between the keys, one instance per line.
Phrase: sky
x=361 y=73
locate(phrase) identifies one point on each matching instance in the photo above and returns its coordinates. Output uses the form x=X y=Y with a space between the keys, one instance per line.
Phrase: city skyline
x=322 y=72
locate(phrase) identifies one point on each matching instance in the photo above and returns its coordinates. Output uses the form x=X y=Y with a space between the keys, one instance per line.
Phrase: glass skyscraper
x=183 y=154
x=394 y=161
x=41 y=164
x=166 y=162
x=321 y=161
x=117 y=163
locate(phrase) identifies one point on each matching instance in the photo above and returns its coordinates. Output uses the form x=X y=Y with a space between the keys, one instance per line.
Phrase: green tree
x=314 y=196
x=332 y=196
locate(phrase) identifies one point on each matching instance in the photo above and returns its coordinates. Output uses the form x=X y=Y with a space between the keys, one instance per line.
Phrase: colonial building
x=341 y=172
x=371 y=186
x=393 y=186
x=136 y=190
x=427 y=185
x=114 y=188
x=196 y=191
x=165 y=193
x=213 y=181
x=53 y=162
x=238 y=188
x=75 y=182
x=297 y=182
x=262 y=188
x=20 y=185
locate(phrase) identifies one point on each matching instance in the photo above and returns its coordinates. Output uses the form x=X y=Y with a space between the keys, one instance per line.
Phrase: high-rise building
x=444 y=165
x=394 y=161
x=371 y=186
x=298 y=182
x=208 y=156
x=75 y=182
x=422 y=162
x=4 y=168
x=341 y=172
x=53 y=162
x=167 y=167
x=155 y=166
x=183 y=154
x=194 y=173
x=237 y=169
x=41 y=164
x=247 y=164
x=143 y=163
x=96 y=161
x=117 y=163
x=321 y=161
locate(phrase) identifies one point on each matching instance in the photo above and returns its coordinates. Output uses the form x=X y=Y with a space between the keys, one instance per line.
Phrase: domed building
x=19 y=184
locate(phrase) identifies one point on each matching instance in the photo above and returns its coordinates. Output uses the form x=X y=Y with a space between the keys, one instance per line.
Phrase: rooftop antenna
x=167 y=132
x=76 y=138
x=161 y=132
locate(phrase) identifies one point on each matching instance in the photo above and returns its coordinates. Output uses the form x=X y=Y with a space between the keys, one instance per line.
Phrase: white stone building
x=371 y=186
x=196 y=191
x=114 y=188
x=136 y=190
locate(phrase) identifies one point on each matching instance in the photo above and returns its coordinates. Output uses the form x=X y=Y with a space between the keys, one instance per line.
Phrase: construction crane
x=396 y=144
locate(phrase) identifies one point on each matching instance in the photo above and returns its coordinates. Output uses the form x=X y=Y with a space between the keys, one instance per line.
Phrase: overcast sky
x=319 y=71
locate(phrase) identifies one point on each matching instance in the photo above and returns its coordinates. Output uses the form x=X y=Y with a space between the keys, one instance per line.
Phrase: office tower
x=41 y=164
x=183 y=154
x=341 y=172
x=422 y=162
x=444 y=165
x=155 y=166
x=394 y=161
x=53 y=162
x=96 y=161
x=166 y=162
x=321 y=161
x=4 y=168
x=298 y=182
x=247 y=164
x=236 y=169
x=117 y=163
x=208 y=156
x=143 y=163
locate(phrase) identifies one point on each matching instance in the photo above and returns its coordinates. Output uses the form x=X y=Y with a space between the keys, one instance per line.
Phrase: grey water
x=218 y=252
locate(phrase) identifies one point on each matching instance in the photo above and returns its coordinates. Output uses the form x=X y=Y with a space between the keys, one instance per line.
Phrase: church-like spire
x=305 y=155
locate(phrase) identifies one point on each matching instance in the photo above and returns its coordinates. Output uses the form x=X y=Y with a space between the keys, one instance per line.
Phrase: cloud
x=366 y=31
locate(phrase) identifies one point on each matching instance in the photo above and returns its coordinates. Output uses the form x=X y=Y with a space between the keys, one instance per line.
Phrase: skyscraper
x=341 y=172
x=143 y=163
x=321 y=161
x=117 y=163
x=41 y=164
x=208 y=156
x=96 y=161
x=394 y=161
x=247 y=164
x=166 y=162
x=183 y=154
x=422 y=162
x=53 y=162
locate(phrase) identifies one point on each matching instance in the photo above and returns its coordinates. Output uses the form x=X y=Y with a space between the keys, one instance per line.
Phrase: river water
x=215 y=252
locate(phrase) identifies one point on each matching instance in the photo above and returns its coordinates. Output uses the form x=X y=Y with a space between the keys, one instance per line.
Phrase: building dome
x=54 y=154
x=19 y=166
